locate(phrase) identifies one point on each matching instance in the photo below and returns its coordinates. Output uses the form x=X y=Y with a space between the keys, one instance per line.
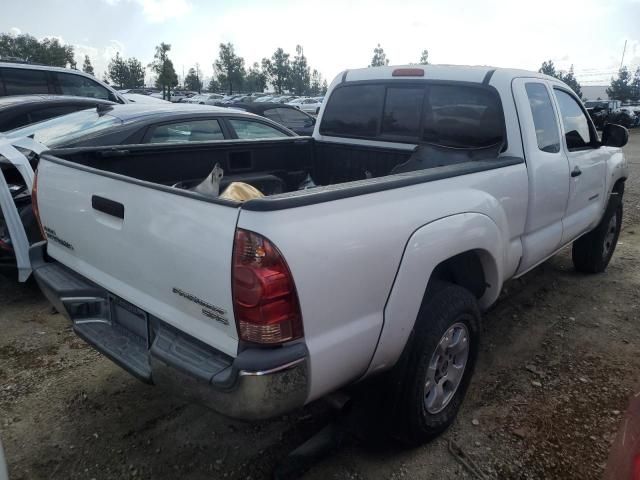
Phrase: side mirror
x=614 y=135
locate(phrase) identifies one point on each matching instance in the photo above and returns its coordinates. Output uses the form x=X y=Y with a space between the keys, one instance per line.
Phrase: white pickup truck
x=377 y=243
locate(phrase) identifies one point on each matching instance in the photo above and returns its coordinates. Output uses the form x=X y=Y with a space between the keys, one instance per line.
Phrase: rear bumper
x=257 y=384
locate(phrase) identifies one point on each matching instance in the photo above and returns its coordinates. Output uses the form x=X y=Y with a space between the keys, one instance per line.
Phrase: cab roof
x=461 y=73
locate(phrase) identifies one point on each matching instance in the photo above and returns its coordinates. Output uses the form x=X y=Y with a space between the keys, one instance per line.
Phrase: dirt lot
x=558 y=363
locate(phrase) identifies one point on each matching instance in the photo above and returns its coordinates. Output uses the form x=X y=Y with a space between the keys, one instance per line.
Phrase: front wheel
x=592 y=252
x=441 y=358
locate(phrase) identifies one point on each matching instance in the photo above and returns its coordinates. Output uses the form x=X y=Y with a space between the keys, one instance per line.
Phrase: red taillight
x=408 y=72
x=635 y=473
x=264 y=295
x=34 y=204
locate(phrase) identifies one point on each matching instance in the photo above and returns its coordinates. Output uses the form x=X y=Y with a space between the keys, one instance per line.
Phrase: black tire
x=592 y=252
x=445 y=306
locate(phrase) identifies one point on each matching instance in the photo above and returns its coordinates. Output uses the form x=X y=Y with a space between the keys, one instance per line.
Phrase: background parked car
x=622 y=116
x=145 y=99
x=26 y=79
x=287 y=115
x=17 y=111
x=204 y=99
x=120 y=125
x=309 y=105
x=161 y=123
x=175 y=97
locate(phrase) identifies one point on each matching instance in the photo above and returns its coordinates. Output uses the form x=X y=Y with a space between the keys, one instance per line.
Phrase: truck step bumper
x=257 y=384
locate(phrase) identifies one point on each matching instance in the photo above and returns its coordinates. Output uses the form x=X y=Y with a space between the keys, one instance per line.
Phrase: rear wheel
x=439 y=363
x=592 y=252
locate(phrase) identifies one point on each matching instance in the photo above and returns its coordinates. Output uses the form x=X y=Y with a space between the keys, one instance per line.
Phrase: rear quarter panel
x=344 y=256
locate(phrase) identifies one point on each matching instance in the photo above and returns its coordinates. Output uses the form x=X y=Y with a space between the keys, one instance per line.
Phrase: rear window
x=19 y=81
x=354 y=111
x=60 y=131
x=450 y=115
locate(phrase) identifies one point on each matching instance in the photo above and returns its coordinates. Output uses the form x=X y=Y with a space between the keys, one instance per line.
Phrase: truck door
x=587 y=163
x=547 y=168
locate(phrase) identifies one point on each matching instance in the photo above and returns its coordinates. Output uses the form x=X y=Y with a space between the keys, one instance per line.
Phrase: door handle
x=105 y=205
x=576 y=172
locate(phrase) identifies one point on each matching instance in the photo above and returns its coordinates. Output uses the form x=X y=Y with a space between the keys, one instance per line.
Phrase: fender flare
x=429 y=246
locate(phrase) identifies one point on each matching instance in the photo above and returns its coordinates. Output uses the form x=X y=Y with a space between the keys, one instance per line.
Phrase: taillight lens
x=34 y=203
x=265 y=301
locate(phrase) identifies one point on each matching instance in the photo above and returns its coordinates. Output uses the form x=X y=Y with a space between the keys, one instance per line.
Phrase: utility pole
x=623 y=52
x=198 y=76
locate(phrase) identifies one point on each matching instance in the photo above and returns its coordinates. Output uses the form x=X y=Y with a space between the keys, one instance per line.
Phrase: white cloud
x=158 y=11
x=14 y=31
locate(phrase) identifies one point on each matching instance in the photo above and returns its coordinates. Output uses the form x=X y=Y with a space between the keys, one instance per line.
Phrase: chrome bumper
x=257 y=384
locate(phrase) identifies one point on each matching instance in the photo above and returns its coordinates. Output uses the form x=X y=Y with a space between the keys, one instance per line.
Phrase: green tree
x=162 y=66
x=118 y=71
x=316 y=83
x=192 y=80
x=27 y=48
x=379 y=57
x=278 y=70
x=424 y=57
x=324 y=88
x=135 y=77
x=621 y=88
x=570 y=79
x=86 y=66
x=256 y=80
x=635 y=86
x=548 y=68
x=213 y=86
x=229 y=68
x=300 y=73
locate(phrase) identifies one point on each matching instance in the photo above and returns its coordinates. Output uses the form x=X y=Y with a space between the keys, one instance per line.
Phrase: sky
x=337 y=35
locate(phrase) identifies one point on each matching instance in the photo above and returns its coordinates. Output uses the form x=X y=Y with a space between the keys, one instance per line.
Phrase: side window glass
x=191 y=131
x=544 y=118
x=80 y=86
x=292 y=117
x=272 y=114
x=402 y=110
x=576 y=125
x=19 y=81
x=247 y=129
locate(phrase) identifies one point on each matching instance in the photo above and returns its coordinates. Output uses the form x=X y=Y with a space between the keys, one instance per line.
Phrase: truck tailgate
x=168 y=254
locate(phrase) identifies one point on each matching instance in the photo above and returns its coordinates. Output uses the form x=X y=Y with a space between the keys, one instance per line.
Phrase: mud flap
x=19 y=239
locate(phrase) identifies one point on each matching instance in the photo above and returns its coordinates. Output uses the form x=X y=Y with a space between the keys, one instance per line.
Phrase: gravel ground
x=558 y=363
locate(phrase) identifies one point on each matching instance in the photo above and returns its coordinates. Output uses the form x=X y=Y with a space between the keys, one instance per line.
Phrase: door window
x=544 y=118
x=189 y=131
x=80 y=86
x=247 y=129
x=18 y=81
x=576 y=126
